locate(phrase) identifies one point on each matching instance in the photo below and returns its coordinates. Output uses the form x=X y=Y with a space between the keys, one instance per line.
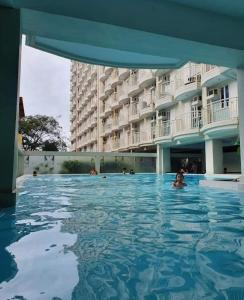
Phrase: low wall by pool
x=81 y=162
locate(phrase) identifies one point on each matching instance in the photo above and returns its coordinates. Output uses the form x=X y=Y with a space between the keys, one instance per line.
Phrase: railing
x=108 y=127
x=146 y=137
x=133 y=79
x=144 y=75
x=134 y=108
x=164 y=87
x=116 y=144
x=107 y=106
x=221 y=110
x=188 y=121
x=163 y=129
x=123 y=117
x=135 y=137
x=115 y=121
x=206 y=68
x=190 y=73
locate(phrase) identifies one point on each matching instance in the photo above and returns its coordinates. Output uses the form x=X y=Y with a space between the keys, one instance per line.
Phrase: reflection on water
x=123 y=237
x=8 y=235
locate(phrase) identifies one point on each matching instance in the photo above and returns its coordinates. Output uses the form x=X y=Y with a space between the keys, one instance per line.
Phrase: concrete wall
x=21 y=163
x=52 y=162
x=232 y=161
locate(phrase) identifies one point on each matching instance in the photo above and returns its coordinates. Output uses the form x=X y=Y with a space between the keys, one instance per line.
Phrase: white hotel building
x=189 y=115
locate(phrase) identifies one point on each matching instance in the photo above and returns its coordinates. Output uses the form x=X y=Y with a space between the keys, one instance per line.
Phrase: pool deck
x=223 y=181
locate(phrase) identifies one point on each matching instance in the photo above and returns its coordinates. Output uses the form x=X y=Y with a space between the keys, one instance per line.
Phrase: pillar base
x=7 y=199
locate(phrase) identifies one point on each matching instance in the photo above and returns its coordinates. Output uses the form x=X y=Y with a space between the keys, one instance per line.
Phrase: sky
x=45 y=85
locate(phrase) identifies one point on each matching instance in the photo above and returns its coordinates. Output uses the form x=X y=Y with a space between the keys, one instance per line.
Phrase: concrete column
x=163 y=163
x=240 y=82
x=10 y=37
x=214 y=156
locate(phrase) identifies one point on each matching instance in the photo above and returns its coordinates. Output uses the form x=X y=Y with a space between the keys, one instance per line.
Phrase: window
x=224 y=96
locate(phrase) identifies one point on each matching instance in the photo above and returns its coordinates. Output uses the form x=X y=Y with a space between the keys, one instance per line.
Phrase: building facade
x=189 y=115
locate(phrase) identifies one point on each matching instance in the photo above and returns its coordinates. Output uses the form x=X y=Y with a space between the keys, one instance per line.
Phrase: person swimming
x=179 y=181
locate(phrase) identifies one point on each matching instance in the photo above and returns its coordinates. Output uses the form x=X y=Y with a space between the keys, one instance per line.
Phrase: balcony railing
x=116 y=144
x=188 y=121
x=134 y=108
x=189 y=74
x=146 y=136
x=164 y=129
x=221 y=110
x=123 y=118
x=135 y=137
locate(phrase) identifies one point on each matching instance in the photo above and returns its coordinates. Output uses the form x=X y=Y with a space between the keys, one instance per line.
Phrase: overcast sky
x=45 y=84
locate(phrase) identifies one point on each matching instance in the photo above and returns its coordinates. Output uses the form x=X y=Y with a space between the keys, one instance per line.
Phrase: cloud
x=45 y=85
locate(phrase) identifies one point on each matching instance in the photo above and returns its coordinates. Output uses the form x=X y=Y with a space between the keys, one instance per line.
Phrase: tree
x=41 y=133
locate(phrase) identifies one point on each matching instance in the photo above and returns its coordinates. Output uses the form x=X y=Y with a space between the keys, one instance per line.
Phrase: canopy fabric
x=136 y=33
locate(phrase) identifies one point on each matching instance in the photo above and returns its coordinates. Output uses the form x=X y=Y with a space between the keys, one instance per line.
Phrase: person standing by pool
x=179 y=181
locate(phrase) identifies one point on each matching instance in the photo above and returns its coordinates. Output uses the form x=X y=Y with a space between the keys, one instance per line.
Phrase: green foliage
x=113 y=166
x=75 y=167
x=41 y=133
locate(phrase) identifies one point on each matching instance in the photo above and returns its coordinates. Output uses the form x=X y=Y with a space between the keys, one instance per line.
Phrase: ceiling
x=136 y=33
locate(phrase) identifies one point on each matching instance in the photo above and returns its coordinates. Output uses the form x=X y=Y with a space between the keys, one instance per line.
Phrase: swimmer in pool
x=179 y=181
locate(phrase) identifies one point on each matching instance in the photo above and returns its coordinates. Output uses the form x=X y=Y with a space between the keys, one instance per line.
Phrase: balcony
x=107 y=147
x=114 y=101
x=102 y=95
x=187 y=82
x=165 y=96
x=145 y=78
x=108 y=70
x=135 y=138
x=134 y=113
x=93 y=137
x=93 y=121
x=107 y=108
x=108 y=89
x=93 y=104
x=102 y=111
x=115 y=144
x=146 y=137
x=213 y=75
x=187 y=127
x=93 y=71
x=123 y=73
x=102 y=75
x=107 y=128
x=115 y=124
x=220 y=118
x=147 y=105
x=123 y=94
x=115 y=78
x=93 y=87
x=164 y=131
x=133 y=87
x=160 y=72
x=123 y=118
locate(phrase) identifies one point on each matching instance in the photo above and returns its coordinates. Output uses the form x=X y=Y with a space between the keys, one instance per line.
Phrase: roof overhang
x=136 y=33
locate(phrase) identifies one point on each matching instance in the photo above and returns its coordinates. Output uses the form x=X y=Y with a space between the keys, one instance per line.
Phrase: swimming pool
x=121 y=237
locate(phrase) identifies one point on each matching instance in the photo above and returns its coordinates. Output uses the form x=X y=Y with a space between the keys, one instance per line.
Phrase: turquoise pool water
x=123 y=237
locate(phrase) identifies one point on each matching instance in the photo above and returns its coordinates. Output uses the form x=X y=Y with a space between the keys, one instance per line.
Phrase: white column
x=214 y=156
x=97 y=164
x=240 y=81
x=163 y=159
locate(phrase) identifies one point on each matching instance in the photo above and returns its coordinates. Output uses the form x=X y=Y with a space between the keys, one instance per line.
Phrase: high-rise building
x=188 y=115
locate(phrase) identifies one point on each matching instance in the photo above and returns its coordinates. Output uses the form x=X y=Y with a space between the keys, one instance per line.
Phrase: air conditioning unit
x=213 y=94
x=197 y=100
